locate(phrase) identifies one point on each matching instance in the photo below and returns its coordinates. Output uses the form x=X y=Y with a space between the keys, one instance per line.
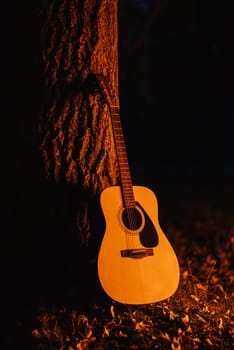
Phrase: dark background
x=176 y=94
x=176 y=75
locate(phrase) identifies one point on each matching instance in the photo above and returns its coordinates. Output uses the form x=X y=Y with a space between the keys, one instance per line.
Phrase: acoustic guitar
x=136 y=263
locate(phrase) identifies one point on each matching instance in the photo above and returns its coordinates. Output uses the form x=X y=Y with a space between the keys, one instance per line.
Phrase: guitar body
x=136 y=262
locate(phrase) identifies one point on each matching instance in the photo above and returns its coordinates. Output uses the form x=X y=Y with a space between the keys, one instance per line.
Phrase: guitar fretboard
x=125 y=177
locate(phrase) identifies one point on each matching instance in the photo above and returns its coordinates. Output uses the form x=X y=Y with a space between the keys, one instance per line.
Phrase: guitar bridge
x=136 y=253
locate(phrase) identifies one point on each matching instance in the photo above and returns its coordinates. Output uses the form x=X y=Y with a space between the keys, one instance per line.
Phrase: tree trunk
x=79 y=41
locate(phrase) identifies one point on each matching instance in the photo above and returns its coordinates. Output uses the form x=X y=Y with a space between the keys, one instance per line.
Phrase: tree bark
x=79 y=41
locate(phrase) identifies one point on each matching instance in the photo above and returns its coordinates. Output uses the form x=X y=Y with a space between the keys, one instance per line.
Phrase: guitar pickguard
x=149 y=235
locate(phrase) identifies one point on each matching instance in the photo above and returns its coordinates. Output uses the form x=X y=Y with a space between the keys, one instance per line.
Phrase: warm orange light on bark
x=79 y=40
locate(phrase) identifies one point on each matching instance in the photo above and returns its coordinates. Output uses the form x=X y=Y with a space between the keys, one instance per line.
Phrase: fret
x=128 y=195
x=125 y=177
x=129 y=203
x=127 y=186
x=125 y=173
x=121 y=148
x=129 y=200
x=114 y=108
x=119 y=135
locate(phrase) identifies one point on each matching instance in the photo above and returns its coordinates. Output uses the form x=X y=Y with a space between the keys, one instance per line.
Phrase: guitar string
x=130 y=215
x=130 y=218
x=130 y=237
x=132 y=225
x=129 y=223
x=112 y=105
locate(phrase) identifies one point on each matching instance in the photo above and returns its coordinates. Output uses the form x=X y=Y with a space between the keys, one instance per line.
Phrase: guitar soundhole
x=132 y=218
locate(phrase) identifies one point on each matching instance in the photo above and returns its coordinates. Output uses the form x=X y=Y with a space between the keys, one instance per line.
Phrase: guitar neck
x=125 y=176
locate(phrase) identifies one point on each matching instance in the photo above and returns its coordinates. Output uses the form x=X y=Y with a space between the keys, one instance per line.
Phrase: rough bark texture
x=79 y=40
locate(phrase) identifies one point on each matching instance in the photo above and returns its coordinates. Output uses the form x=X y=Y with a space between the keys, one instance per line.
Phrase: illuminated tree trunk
x=79 y=41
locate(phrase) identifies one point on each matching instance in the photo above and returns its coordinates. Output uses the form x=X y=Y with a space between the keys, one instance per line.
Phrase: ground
x=198 y=220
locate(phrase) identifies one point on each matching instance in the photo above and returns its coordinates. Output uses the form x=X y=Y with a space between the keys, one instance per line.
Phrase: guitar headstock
x=105 y=86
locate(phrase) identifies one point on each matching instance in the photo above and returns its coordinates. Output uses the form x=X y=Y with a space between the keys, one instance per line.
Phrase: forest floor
x=200 y=315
